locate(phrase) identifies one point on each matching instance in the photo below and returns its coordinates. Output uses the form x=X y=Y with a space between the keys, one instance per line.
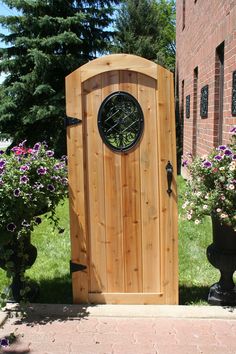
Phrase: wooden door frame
x=77 y=167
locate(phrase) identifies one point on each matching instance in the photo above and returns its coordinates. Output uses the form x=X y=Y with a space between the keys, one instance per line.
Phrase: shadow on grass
x=193 y=295
x=55 y=291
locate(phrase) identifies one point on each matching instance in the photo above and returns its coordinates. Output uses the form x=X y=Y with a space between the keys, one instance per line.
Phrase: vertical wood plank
x=130 y=165
x=113 y=202
x=78 y=226
x=96 y=186
x=149 y=183
x=168 y=216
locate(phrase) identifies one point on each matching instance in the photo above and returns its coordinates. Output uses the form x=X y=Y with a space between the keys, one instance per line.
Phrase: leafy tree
x=44 y=43
x=147 y=28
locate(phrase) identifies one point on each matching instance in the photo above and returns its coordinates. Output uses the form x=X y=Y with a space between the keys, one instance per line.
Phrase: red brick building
x=206 y=72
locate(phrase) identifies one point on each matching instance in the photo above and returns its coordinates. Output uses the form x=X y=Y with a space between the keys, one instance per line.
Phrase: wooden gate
x=123 y=222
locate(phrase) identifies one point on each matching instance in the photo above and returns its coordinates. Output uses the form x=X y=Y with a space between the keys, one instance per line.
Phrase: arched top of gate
x=118 y=62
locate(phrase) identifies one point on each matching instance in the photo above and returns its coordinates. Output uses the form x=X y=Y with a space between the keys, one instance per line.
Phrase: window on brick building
x=233 y=104
x=182 y=101
x=183 y=14
x=219 y=94
x=187 y=109
x=195 y=90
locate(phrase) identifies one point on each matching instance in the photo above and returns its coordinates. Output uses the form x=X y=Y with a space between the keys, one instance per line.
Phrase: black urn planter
x=222 y=255
x=23 y=257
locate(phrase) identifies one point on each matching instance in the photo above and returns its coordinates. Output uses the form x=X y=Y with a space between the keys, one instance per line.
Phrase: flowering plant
x=32 y=181
x=211 y=188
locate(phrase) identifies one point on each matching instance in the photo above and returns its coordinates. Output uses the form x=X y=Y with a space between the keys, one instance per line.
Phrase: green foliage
x=147 y=28
x=45 y=42
x=212 y=185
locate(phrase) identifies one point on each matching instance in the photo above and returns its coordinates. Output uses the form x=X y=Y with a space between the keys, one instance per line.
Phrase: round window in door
x=120 y=121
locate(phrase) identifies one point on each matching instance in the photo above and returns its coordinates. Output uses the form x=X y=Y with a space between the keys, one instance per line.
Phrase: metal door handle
x=169 y=171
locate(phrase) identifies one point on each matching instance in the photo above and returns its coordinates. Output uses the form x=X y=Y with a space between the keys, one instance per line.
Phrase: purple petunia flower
x=207 y=164
x=64 y=181
x=222 y=147
x=234 y=157
x=24 y=168
x=11 y=227
x=1 y=152
x=4 y=342
x=218 y=157
x=17 y=192
x=228 y=152
x=185 y=163
x=64 y=158
x=51 y=188
x=2 y=163
x=49 y=153
x=37 y=146
x=38 y=220
x=24 y=179
x=42 y=170
x=57 y=166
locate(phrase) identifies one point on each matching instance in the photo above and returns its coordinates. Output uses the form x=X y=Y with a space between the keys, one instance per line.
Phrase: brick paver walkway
x=114 y=335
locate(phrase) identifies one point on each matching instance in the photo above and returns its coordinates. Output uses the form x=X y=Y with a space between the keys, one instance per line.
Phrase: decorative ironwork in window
x=234 y=94
x=204 y=102
x=120 y=121
x=188 y=106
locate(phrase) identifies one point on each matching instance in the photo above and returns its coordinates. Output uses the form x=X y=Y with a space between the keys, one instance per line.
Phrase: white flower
x=205 y=206
x=232 y=168
x=197 y=221
x=185 y=204
x=189 y=216
x=221 y=168
x=231 y=186
x=207 y=196
x=218 y=210
x=223 y=216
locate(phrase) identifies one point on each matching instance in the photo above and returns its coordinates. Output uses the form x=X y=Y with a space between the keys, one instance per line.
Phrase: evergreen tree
x=45 y=42
x=147 y=28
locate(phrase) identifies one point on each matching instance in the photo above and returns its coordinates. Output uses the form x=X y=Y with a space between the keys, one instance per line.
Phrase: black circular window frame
x=140 y=121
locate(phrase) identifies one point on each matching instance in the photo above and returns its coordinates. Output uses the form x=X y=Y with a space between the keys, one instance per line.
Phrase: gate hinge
x=76 y=267
x=72 y=121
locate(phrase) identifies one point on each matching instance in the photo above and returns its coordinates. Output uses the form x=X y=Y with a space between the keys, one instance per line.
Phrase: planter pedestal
x=23 y=257
x=222 y=255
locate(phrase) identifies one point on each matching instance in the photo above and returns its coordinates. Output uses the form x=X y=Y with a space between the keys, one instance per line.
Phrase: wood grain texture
x=95 y=185
x=149 y=182
x=73 y=95
x=168 y=206
x=130 y=169
x=113 y=202
x=78 y=225
x=112 y=62
x=127 y=298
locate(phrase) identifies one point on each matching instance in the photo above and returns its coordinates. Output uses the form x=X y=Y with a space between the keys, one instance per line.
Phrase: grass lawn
x=51 y=269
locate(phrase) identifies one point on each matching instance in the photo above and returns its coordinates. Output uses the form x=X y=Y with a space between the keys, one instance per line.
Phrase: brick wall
x=208 y=24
